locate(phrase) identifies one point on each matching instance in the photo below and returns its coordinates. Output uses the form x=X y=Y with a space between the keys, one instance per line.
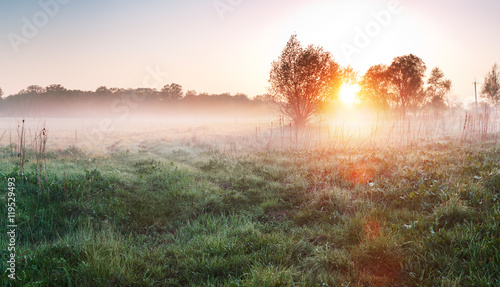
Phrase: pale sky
x=120 y=43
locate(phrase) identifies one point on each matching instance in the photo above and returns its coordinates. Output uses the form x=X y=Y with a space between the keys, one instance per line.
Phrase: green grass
x=375 y=217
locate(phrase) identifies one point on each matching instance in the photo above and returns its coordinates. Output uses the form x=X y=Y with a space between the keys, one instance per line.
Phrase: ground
x=191 y=213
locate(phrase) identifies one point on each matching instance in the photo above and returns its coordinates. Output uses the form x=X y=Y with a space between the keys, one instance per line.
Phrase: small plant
x=493 y=183
x=378 y=262
x=452 y=212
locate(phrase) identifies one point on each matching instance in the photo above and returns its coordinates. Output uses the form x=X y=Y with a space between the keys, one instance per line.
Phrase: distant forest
x=57 y=101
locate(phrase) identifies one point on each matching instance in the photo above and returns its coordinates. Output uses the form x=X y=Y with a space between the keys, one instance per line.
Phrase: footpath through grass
x=426 y=217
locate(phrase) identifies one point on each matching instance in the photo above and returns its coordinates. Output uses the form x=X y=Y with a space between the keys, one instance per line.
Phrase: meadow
x=250 y=203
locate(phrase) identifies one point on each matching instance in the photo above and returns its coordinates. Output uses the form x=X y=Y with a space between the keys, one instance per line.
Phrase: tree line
x=57 y=101
x=306 y=79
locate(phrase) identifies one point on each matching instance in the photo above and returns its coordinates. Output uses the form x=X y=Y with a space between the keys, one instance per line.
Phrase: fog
x=245 y=132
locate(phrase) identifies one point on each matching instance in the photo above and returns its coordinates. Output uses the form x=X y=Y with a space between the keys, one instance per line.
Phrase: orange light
x=349 y=93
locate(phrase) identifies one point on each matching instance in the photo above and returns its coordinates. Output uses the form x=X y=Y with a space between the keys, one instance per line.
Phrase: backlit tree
x=302 y=80
x=406 y=74
x=491 y=86
x=375 y=89
x=437 y=89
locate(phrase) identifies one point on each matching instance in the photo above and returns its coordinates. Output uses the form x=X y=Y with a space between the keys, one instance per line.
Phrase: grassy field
x=191 y=215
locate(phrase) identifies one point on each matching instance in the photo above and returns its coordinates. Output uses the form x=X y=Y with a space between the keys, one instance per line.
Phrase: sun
x=348 y=93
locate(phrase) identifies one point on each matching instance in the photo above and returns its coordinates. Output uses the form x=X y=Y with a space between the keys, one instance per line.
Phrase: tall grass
x=411 y=216
x=330 y=207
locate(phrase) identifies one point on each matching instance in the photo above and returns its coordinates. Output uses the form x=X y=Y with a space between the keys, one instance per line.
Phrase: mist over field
x=249 y=143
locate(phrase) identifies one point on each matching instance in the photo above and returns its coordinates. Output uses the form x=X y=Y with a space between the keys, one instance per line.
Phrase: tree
x=436 y=90
x=302 y=80
x=491 y=86
x=375 y=89
x=143 y=93
x=349 y=75
x=55 y=89
x=406 y=75
x=191 y=93
x=1 y=92
x=240 y=97
x=32 y=90
x=103 y=90
x=265 y=98
x=116 y=90
x=172 y=92
x=35 y=89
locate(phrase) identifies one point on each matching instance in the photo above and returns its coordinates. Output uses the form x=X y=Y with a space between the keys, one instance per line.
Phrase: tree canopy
x=375 y=89
x=303 y=79
x=406 y=74
x=491 y=86
x=58 y=101
x=401 y=85
x=171 y=92
x=436 y=90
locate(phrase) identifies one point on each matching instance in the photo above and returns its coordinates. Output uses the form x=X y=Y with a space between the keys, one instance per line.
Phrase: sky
x=219 y=46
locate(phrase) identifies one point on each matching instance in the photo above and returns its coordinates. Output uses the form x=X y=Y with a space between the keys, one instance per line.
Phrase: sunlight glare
x=348 y=93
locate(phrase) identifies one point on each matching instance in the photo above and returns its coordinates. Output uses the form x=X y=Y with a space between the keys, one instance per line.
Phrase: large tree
x=406 y=74
x=302 y=80
x=436 y=90
x=375 y=89
x=491 y=86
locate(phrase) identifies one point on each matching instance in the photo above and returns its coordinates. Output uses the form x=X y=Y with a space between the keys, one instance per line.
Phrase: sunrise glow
x=250 y=143
x=348 y=93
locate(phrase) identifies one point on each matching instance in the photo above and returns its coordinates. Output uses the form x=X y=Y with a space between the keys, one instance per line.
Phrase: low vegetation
x=197 y=217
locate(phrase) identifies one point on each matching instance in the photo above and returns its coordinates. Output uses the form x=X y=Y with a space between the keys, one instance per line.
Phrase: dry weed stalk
x=21 y=133
x=40 y=144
